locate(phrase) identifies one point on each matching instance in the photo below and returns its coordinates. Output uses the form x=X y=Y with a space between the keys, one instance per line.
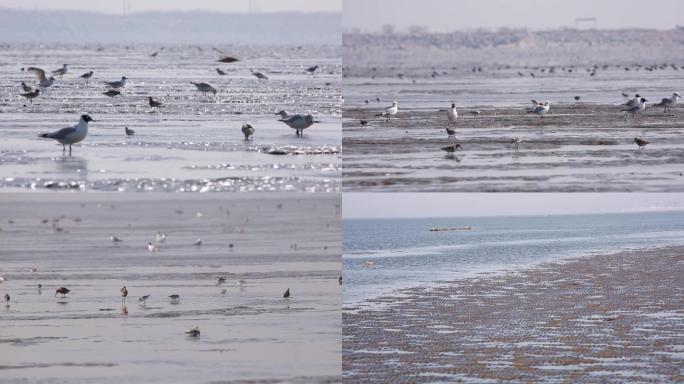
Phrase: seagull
x=143 y=299
x=160 y=237
x=451 y=148
x=117 y=84
x=62 y=291
x=220 y=72
x=124 y=293
x=25 y=87
x=204 y=87
x=43 y=81
x=114 y=239
x=248 y=131
x=516 y=142
x=638 y=108
x=299 y=123
x=312 y=69
x=60 y=72
x=194 y=332
x=197 y=242
x=87 y=76
x=31 y=95
x=283 y=114
x=174 y=297
x=541 y=109
x=154 y=103
x=452 y=114
x=640 y=142
x=633 y=102
x=70 y=135
x=259 y=75
x=151 y=248
x=129 y=132
x=287 y=293
x=112 y=93
x=668 y=103
x=390 y=111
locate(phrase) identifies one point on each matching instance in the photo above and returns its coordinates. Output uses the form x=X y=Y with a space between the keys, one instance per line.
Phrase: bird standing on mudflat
x=70 y=135
x=248 y=131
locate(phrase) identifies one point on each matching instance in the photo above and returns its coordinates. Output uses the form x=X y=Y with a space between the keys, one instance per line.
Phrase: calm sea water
x=405 y=253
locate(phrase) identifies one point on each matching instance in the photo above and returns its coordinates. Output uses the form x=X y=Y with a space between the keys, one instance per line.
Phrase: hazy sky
x=448 y=15
x=116 y=6
x=387 y=205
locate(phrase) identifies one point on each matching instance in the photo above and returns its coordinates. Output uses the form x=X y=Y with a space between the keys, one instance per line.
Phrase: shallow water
x=248 y=331
x=406 y=254
x=194 y=142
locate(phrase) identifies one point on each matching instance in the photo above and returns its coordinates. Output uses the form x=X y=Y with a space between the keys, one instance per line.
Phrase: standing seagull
x=62 y=291
x=669 y=103
x=633 y=102
x=390 y=111
x=452 y=114
x=259 y=75
x=640 y=142
x=129 y=132
x=248 y=131
x=124 y=293
x=87 y=76
x=638 y=108
x=299 y=123
x=60 y=72
x=70 y=135
x=117 y=84
x=43 y=81
x=31 y=95
x=204 y=87
x=287 y=293
x=151 y=248
x=541 y=109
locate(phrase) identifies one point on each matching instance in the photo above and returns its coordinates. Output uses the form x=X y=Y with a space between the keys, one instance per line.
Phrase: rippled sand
x=607 y=318
x=248 y=331
x=194 y=142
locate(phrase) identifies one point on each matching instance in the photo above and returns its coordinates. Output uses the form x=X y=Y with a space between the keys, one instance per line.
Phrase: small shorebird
x=114 y=239
x=668 y=103
x=390 y=111
x=197 y=242
x=283 y=114
x=368 y=264
x=86 y=76
x=248 y=131
x=174 y=297
x=70 y=135
x=143 y=299
x=364 y=123
x=287 y=293
x=154 y=103
x=25 y=87
x=194 y=332
x=577 y=98
x=7 y=298
x=160 y=237
x=117 y=84
x=43 y=81
x=637 y=108
x=111 y=93
x=312 y=69
x=129 y=132
x=61 y=71
x=640 y=142
x=340 y=280
x=259 y=75
x=220 y=72
x=124 y=293
x=299 y=123
x=451 y=148
x=151 y=248
x=541 y=109
x=221 y=280
x=516 y=142
x=204 y=88
x=31 y=95
x=62 y=291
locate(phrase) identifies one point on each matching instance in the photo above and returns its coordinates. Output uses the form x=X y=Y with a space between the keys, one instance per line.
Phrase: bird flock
x=114 y=88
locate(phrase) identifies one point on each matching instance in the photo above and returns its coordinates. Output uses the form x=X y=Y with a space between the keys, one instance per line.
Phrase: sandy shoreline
x=605 y=318
x=577 y=148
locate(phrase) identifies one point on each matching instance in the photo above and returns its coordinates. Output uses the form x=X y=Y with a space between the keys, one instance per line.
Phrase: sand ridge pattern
x=606 y=318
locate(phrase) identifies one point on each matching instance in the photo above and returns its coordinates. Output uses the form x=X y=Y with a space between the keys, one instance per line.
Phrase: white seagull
x=60 y=72
x=541 y=109
x=43 y=81
x=70 y=135
x=117 y=84
x=390 y=111
x=668 y=103
x=299 y=123
x=636 y=109
x=151 y=248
